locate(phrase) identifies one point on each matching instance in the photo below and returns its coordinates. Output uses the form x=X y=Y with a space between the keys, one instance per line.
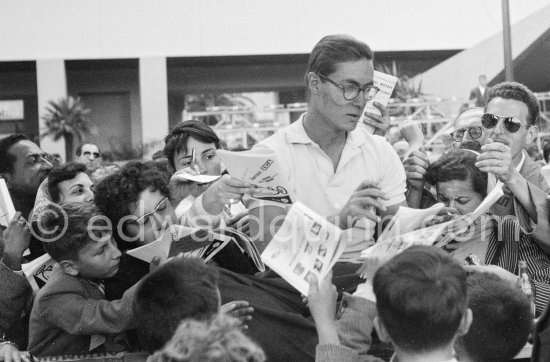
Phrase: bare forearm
x=414 y=197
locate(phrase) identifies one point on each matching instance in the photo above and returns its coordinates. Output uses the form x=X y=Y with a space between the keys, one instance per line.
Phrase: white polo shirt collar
x=296 y=134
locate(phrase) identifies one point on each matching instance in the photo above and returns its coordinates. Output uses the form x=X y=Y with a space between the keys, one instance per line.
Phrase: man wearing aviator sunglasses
x=510 y=122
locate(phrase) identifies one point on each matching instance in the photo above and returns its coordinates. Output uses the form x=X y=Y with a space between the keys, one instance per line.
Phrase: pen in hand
x=194 y=160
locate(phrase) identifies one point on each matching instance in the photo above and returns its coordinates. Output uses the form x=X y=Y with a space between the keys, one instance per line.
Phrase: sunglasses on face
x=87 y=153
x=474 y=132
x=511 y=124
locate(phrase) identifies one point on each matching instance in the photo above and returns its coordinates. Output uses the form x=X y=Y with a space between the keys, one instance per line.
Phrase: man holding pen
x=334 y=167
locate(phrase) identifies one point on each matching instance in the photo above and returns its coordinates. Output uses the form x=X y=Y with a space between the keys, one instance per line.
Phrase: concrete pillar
x=153 y=87
x=51 y=83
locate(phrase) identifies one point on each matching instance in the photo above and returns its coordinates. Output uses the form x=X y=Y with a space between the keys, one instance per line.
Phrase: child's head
x=214 y=340
x=182 y=288
x=138 y=189
x=421 y=299
x=70 y=183
x=80 y=240
x=502 y=320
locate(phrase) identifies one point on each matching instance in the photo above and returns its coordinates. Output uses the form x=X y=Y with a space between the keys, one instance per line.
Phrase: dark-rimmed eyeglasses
x=351 y=92
x=511 y=124
x=160 y=206
x=474 y=132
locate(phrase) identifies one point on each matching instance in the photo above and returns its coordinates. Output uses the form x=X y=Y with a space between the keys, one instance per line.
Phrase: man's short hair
x=458 y=165
x=478 y=111
x=7 y=159
x=176 y=141
x=79 y=147
x=214 y=340
x=335 y=49
x=65 y=172
x=421 y=297
x=117 y=192
x=182 y=288
x=502 y=320
x=64 y=229
x=518 y=92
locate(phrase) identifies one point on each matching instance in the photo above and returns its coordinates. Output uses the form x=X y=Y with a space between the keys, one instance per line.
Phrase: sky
x=89 y=29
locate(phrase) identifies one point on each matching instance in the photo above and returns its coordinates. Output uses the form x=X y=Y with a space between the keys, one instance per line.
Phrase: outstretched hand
x=239 y=309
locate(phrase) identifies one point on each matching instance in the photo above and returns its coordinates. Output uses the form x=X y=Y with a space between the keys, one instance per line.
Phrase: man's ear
x=69 y=267
x=381 y=330
x=465 y=323
x=313 y=82
x=531 y=135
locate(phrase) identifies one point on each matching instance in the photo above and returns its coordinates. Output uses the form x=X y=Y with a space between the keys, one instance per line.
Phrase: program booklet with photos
x=305 y=245
x=263 y=171
x=438 y=235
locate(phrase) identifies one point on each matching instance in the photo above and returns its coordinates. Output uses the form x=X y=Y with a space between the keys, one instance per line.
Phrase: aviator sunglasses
x=511 y=124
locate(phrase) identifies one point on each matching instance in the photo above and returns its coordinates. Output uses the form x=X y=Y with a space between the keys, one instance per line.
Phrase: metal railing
x=251 y=125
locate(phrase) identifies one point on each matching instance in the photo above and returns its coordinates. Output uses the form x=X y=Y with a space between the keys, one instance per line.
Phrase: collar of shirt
x=297 y=134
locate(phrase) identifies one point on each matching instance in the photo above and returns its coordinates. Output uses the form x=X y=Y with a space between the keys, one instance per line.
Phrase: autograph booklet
x=305 y=245
x=199 y=243
x=392 y=243
x=263 y=171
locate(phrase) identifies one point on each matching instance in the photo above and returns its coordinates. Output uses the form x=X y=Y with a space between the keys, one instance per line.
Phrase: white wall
x=90 y=29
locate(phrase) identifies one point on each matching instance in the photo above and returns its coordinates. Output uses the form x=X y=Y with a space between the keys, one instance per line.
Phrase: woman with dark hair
x=191 y=150
x=498 y=241
x=280 y=321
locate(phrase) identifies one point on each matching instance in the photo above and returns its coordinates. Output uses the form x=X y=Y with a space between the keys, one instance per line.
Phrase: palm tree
x=67 y=119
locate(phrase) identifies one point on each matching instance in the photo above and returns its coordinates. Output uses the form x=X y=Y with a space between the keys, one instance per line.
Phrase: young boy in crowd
x=422 y=304
x=70 y=314
x=502 y=321
x=180 y=289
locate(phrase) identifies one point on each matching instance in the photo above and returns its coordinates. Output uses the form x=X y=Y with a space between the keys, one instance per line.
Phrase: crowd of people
x=424 y=304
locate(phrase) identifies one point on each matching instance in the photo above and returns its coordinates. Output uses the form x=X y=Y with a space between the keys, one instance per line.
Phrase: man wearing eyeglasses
x=334 y=166
x=88 y=154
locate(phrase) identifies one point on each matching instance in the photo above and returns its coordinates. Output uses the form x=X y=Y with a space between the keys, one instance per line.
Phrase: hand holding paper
x=305 y=246
x=363 y=203
x=322 y=298
x=375 y=117
x=16 y=240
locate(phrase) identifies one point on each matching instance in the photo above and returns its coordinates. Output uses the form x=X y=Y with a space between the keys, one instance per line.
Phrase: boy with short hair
x=70 y=314
x=502 y=321
x=422 y=303
x=421 y=300
x=183 y=288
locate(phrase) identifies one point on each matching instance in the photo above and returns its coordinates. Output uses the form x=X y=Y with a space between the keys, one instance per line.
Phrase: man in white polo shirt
x=336 y=168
